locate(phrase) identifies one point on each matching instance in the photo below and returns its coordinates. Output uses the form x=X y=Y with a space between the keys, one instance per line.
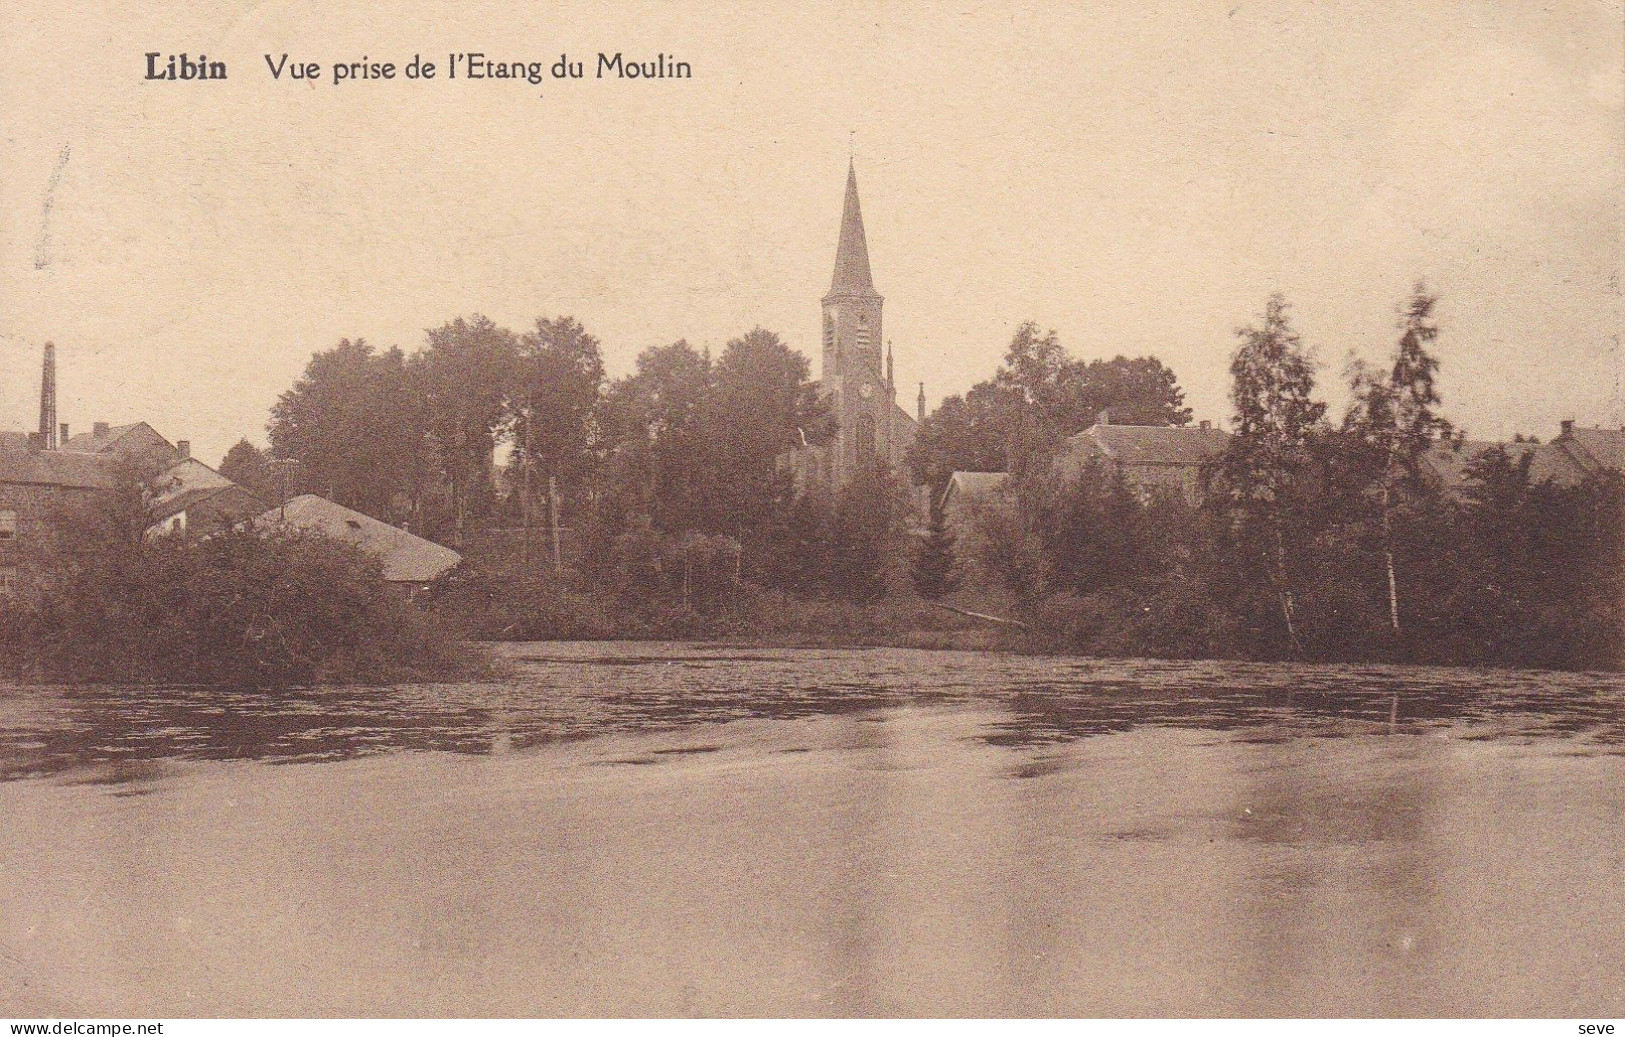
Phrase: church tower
x=855 y=380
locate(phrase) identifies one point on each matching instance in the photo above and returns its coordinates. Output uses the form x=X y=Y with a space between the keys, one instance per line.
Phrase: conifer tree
x=934 y=571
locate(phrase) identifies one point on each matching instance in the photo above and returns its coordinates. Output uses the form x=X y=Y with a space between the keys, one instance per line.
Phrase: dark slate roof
x=852 y=254
x=407 y=558
x=91 y=443
x=1450 y=461
x=53 y=467
x=1182 y=446
x=1595 y=448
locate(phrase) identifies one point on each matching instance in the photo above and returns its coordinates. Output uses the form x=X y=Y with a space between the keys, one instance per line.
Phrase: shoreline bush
x=239 y=608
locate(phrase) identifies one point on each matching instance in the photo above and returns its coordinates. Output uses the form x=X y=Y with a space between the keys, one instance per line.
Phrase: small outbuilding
x=407 y=559
x=190 y=497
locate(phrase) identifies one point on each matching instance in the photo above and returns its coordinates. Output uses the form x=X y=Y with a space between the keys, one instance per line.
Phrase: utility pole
x=524 y=503
x=283 y=469
x=553 y=520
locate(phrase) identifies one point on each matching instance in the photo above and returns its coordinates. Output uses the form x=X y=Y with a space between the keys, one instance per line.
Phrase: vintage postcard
x=841 y=509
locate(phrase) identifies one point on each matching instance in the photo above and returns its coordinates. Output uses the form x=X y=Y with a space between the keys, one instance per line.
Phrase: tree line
x=1315 y=538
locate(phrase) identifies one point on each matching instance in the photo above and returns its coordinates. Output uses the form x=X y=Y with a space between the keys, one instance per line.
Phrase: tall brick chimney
x=183 y=449
x=47 y=400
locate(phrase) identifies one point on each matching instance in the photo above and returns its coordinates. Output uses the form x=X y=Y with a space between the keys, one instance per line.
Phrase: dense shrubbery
x=526 y=601
x=234 y=609
x=1543 y=588
x=1321 y=542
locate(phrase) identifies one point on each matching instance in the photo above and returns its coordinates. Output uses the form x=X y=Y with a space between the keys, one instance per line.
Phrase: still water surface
x=676 y=829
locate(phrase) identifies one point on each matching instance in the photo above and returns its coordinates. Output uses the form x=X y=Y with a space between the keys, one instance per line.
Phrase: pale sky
x=1137 y=179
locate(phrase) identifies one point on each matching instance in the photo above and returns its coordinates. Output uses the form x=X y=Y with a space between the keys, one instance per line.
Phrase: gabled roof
x=977 y=482
x=98 y=443
x=1594 y=449
x=972 y=484
x=185 y=477
x=231 y=502
x=1182 y=446
x=852 y=253
x=1449 y=462
x=406 y=558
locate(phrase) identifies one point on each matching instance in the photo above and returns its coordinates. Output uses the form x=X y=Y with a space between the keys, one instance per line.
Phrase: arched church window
x=866 y=438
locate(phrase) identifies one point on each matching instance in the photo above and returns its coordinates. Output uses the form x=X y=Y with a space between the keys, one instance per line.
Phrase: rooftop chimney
x=183 y=449
x=1104 y=417
x=101 y=428
x=1206 y=425
x=1568 y=426
x=47 y=400
x=62 y=435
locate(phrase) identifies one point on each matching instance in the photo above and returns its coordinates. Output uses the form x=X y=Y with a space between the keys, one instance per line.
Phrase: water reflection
x=882 y=832
x=565 y=692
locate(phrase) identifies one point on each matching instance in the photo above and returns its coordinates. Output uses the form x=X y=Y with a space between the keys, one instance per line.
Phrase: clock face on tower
x=866 y=390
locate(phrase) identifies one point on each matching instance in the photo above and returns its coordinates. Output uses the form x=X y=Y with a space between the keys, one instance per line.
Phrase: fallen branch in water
x=982 y=616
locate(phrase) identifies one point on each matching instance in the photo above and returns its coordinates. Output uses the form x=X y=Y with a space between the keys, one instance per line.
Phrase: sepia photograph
x=866 y=509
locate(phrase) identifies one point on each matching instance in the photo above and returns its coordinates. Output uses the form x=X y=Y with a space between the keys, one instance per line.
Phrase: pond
x=676 y=829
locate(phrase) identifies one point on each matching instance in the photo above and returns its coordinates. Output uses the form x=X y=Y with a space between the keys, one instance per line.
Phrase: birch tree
x=1395 y=412
x=1267 y=465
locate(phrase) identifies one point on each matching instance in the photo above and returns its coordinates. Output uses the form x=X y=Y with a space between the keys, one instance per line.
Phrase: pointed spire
x=852 y=254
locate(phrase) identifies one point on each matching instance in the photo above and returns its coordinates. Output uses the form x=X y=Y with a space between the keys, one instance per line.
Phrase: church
x=868 y=428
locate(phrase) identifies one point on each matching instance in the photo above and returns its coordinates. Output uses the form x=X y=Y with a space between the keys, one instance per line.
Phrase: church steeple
x=852 y=254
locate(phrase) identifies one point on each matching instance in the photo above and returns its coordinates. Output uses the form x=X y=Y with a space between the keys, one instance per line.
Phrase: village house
x=409 y=561
x=1151 y=458
x=1179 y=458
x=963 y=492
x=46 y=475
x=1573 y=456
x=36 y=488
x=190 y=497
